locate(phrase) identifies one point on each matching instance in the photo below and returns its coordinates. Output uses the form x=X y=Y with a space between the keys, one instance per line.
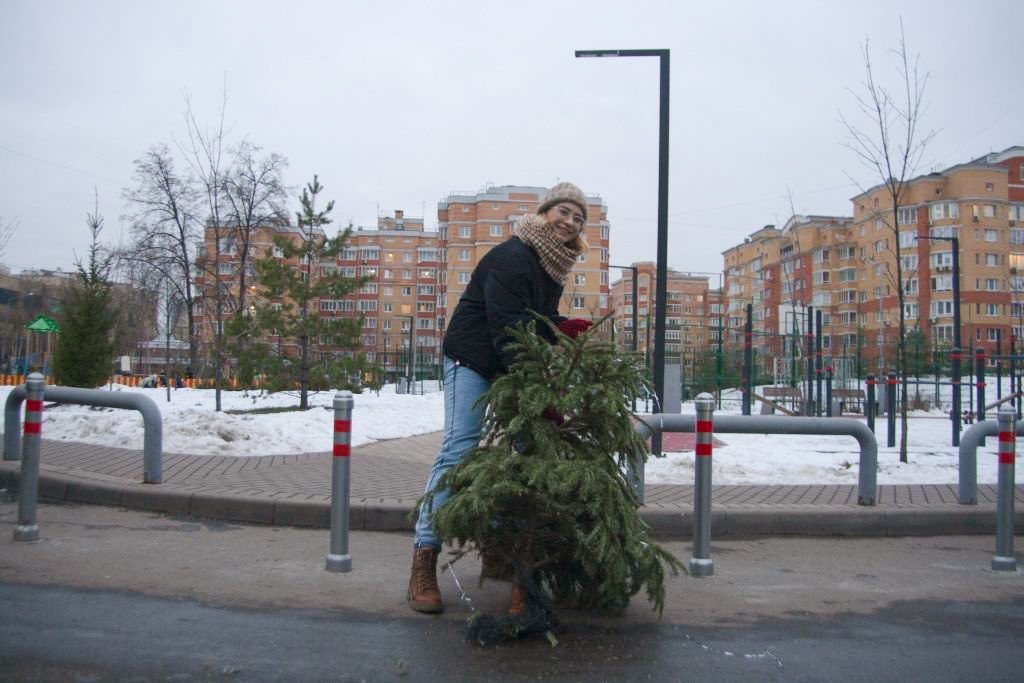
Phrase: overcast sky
x=396 y=104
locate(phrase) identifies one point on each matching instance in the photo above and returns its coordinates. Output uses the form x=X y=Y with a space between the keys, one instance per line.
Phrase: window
x=604 y=256
x=910 y=286
x=367 y=305
x=369 y=253
x=425 y=307
x=425 y=290
x=993 y=334
x=406 y=291
x=370 y=323
x=820 y=256
x=988 y=210
x=941 y=307
x=424 y=254
x=277 y=251
x=991 y=259
x=225 y=269
x=908 y=262
x=349 y=254
x=424 y=323
x=226 y=245
x=369 y=288
x=604 y=277
x=463 y=277
x=406 y=274
x=907 y=216
x=992 y=310
x=943 y=333
x=465 y=232
x=579 y=302
x=910 y=311
x=942 y=283
x=463 y=254
x=1016 y=235
x=496 y=230
x=991 y=284
x=907 y=239
x=848 y=274
x=822 y=277
x=991 y=235
x=941 y=210
x=945 y=231
x=941 y=260
x=579 y=279
x=386 y=307
x=822 y=299
x=328 y=305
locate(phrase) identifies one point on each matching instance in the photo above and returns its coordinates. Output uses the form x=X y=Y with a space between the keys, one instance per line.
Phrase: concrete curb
x=666 y=521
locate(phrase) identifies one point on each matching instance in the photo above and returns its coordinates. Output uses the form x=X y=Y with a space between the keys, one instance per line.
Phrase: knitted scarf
x=556 y=257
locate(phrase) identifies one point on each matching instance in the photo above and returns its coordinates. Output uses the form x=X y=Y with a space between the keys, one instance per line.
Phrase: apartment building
x=400 y=307
x=692 y=313
x=417 y=275
x=846 y=267
x=471 y=223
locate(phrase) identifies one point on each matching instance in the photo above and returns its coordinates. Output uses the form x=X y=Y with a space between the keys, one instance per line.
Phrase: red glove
x=553 y=415
x=574 y=327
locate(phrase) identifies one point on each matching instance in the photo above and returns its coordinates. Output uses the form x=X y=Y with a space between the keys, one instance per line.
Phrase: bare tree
x=164 y=229
x=204 y=151
x=256 y=195
x=891 y=146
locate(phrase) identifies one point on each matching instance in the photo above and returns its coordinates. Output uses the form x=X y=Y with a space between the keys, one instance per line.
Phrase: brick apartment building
x=471 y=223
x=418 y=275
x=846 y=268
x=693 y=314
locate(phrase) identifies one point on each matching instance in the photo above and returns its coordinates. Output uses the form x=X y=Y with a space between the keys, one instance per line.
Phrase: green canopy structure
x=43 y=324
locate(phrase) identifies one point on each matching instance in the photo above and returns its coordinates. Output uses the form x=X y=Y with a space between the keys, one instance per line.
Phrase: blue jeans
x=463 y=424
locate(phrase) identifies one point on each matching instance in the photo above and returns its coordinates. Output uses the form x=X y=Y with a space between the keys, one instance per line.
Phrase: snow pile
x=192 y=426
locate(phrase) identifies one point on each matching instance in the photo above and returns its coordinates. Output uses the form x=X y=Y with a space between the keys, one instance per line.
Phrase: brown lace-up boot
x=424 y=595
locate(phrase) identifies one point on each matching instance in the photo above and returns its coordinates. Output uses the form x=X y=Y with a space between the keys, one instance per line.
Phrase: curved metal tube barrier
x=867 y=483
x=970 y=440
x=152 y=421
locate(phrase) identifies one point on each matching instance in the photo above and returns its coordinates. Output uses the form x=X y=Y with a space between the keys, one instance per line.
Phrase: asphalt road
x=124 y=595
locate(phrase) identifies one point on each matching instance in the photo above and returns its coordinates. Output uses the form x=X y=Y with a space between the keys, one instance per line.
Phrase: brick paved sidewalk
x=388 y=477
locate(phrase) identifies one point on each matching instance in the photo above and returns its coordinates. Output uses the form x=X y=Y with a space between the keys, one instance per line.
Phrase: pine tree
x=84 y=354
x=548 y=497
x=296 y=318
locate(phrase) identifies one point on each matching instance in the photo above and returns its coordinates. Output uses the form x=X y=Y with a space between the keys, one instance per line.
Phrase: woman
x=525 y=273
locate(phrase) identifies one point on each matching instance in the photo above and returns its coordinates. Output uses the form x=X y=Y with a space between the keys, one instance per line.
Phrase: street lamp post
x=955 y=355
x=661 y=289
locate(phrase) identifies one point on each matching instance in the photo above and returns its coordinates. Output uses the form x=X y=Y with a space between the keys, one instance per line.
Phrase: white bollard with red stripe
x=338 y=559
x=1004 y=559
x=28 y=487
x=701 y=563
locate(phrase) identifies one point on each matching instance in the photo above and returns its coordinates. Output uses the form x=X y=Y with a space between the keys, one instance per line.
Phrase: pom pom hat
x=564 y=192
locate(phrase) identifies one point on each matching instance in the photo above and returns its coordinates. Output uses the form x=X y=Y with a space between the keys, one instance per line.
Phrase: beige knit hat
x=564 y=192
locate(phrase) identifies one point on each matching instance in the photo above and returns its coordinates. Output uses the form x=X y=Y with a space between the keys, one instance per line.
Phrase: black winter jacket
x=506 y=285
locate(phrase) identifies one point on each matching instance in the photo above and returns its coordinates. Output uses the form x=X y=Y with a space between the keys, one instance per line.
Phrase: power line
x=119 y=183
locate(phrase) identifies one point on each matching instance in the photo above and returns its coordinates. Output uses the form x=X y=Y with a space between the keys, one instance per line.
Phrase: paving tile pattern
x=394 y=472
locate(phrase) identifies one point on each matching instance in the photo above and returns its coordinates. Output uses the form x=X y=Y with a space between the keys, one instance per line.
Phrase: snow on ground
x=192 y=426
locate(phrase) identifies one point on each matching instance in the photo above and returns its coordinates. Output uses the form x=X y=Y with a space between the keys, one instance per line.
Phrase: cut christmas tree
x=545 y=496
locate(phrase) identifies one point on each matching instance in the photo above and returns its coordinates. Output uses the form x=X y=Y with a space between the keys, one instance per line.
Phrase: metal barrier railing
x=705 y=424
x=1004 y=559
x=970 y=440
x=152 y=448
x=339 y=559
x=867 y=481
